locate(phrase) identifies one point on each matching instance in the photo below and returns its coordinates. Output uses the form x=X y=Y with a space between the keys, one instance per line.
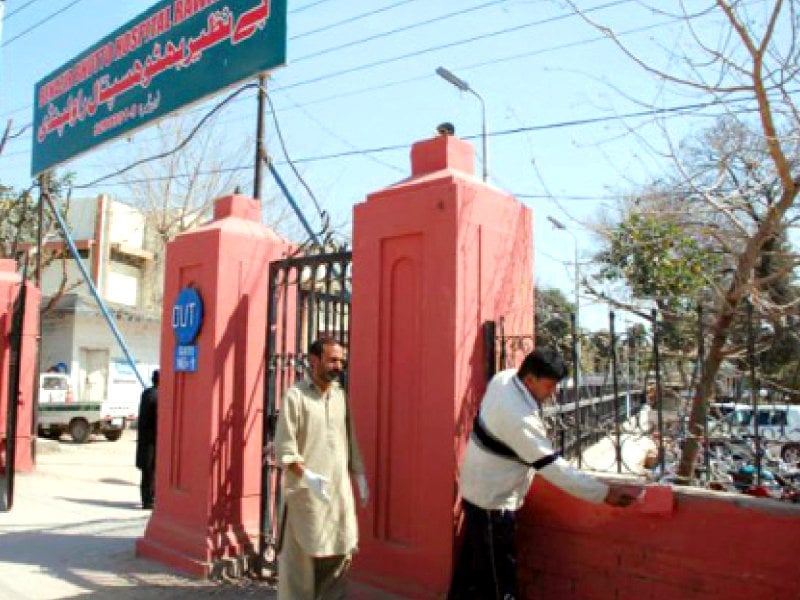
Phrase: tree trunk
x=737 y=289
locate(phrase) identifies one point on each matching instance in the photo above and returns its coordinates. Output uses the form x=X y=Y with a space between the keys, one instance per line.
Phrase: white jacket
x=510 y=414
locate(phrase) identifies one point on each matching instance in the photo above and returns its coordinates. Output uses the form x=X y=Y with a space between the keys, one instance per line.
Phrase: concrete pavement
x=72 y=529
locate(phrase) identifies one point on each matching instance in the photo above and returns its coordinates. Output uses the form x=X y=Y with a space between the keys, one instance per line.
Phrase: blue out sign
x=187 y=315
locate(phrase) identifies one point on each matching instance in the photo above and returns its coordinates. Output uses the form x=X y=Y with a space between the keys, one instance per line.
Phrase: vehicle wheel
x=113 y=435
x=790 y=453
x=79 y=430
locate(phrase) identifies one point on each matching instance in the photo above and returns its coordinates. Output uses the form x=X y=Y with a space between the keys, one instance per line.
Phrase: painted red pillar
x=434 y=257
x=9 y=291
x=209 y=442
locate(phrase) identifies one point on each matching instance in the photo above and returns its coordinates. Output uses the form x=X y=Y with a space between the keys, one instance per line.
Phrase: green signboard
x=176 y=53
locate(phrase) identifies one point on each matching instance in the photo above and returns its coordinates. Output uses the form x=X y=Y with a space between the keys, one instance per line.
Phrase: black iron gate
x=9 y=436
x=309 y=297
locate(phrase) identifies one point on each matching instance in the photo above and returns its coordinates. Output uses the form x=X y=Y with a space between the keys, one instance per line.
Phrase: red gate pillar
x=209 y=442
x=434 y=257
x=9 y=291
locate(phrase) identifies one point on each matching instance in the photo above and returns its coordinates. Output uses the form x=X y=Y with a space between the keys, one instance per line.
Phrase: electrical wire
x=405 y=145
x=444 y=46
x=177 y=148
x=385 y=34
x=21 y=8
x=349 y=20
x=451 y=44
x=15 y=110
x=674 y=110
x=289 y=161
x=566 y=15
x=300 y=9
x=48 y=18
x=652 y=112
x=292 y=38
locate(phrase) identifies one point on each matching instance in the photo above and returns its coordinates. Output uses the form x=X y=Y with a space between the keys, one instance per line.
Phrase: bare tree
x=745 y=64
x=176 y=192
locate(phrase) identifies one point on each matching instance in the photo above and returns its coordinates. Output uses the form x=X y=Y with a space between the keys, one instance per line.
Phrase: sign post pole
x=260 y=151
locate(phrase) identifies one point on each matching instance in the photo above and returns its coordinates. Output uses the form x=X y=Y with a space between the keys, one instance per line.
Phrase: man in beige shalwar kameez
x=316 y=445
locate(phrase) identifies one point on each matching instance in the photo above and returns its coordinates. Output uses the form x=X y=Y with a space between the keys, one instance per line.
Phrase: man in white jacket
x=507 y=447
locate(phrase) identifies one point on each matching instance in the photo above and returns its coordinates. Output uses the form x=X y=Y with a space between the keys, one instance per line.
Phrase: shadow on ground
x=104 y=565
x=104 y=503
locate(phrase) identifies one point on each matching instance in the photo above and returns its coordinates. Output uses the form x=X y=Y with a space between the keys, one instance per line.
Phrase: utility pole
x=44 y=189
x=260 y=153
x=559 y=225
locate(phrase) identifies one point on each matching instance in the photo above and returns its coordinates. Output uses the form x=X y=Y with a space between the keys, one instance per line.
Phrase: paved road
x=71 y=532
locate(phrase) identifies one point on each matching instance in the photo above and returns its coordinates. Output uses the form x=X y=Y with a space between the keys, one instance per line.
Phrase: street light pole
x=559 y=225
x=465 y=87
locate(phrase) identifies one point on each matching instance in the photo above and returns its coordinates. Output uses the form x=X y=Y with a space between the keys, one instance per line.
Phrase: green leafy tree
x=664 y=259
x=19 y=215
x=19 y=218
x=552 y=316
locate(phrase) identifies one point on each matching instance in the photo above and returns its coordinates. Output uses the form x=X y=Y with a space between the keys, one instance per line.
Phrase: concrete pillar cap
x=442 y=152
x=237 y=205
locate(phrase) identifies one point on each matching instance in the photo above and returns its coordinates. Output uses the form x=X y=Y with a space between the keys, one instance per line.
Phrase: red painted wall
x=9 y=290
x=434 y=257
x=210 y=421
x=712 y=546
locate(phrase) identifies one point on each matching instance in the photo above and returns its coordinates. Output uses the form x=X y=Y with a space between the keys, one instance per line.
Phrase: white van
x=59 y=413
x=777 y=424
x=54 y=389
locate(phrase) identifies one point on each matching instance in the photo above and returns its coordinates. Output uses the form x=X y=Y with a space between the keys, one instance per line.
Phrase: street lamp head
x=556 y=223
x=450 y=78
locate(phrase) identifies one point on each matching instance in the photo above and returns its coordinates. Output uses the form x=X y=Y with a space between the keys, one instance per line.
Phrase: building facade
x=120 y=253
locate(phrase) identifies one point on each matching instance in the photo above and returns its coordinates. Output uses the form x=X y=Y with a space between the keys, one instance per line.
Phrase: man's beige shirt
x=312 y=429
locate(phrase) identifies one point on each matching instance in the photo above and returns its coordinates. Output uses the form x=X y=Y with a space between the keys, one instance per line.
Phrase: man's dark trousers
x=147 y=486
x=487 y=565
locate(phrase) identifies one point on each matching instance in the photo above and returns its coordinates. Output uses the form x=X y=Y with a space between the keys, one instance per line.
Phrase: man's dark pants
x=148 y=484
x=487 y=564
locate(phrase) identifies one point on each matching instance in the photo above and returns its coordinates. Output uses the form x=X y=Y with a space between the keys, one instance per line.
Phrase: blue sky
x=356 y=83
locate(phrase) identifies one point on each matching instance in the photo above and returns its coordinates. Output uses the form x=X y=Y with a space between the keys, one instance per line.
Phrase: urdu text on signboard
x=176 y=53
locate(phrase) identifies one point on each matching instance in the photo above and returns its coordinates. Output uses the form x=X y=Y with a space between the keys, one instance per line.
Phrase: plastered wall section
x=709 y=546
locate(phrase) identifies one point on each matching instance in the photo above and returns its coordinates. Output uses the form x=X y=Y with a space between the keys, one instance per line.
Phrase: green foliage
x=666 y=260
x=659 y=260
x=17 y=220
x=553 y=320
x=19 y=214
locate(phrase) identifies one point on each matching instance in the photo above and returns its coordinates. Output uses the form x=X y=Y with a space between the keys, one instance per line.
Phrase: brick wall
x=710 y=546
